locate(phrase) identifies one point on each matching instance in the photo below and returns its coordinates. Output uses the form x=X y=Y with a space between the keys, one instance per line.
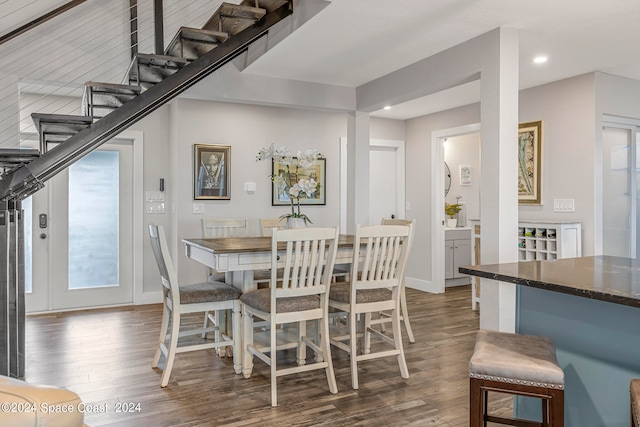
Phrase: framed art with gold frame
x=530 y=163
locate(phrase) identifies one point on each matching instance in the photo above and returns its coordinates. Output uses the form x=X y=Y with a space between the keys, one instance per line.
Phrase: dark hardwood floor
x=105 y=356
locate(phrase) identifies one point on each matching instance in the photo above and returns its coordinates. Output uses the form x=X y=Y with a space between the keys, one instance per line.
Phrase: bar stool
x=516 y=364
x=635 y=402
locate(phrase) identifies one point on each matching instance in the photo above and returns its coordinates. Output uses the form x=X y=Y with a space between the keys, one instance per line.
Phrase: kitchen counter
x=605 y=278
x=589 y=306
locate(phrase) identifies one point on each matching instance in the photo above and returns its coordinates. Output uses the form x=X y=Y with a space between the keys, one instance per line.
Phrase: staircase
x=109 y=108
x=151 y=81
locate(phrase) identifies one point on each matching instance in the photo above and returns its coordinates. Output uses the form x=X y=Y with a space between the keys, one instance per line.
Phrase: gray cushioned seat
x=341 y=292
x=207 y=292
x=635 y=399
x=516 y=359
x=261 y=299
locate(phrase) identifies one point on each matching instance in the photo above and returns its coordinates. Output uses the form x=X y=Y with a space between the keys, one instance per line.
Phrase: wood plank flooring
x=105 y=356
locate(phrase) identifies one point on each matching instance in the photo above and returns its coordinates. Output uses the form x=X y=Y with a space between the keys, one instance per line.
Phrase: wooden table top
x=231 y=245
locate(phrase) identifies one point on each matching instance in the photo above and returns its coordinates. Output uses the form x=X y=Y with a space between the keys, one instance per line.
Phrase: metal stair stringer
x=26 y=179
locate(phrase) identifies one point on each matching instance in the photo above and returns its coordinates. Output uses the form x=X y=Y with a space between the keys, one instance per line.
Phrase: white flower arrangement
x=305 y=187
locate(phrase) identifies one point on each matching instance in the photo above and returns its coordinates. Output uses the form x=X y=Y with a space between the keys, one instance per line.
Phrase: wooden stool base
x=552 y=403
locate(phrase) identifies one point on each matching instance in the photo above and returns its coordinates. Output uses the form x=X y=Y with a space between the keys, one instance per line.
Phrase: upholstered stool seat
x=635 y=402
x=515 y=364
x=26 y=405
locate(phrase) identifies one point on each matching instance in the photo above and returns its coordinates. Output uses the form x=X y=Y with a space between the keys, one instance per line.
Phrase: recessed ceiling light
x=540 y=59
x=387 y=107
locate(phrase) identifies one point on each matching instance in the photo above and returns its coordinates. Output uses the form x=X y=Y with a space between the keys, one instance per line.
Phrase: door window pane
x=94 y=220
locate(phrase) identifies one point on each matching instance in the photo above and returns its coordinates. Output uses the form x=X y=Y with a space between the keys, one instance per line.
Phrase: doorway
x=437 y=284
x=386 y=180
x=80 y=235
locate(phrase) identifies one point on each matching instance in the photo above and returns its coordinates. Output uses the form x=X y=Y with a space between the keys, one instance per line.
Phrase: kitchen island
x=590 y=307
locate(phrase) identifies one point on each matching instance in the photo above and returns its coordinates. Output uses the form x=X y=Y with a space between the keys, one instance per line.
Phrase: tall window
x=94 y=220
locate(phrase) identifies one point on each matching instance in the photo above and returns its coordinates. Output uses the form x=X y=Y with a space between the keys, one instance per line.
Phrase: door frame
x=137 y=141
x=437 y=284
x=399 y=147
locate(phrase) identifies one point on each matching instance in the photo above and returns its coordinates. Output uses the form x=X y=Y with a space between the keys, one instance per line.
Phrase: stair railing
x=45 y=68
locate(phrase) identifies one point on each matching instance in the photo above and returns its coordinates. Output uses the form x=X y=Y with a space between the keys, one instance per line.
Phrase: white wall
x=418 y=184
x=246 y=129
x=567 y=109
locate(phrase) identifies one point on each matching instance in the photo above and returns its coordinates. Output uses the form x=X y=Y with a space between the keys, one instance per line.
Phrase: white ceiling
x=351 y=42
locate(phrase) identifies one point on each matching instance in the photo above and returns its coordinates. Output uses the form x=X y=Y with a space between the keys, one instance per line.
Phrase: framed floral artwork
x=286 y=176
x=211 y=172
x=530 y=163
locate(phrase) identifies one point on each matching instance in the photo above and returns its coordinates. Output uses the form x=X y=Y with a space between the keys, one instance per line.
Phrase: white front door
x=82 y=234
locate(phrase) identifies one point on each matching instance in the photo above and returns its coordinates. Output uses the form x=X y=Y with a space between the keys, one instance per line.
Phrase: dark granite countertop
x=606 y=278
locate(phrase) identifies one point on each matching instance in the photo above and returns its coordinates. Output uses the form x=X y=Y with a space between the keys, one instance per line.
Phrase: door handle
x=43 y=236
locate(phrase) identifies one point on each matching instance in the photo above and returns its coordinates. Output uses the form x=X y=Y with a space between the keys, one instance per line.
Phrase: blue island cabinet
x=590 y=307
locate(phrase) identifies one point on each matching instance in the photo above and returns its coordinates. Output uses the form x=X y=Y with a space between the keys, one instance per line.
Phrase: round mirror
x=447 y=179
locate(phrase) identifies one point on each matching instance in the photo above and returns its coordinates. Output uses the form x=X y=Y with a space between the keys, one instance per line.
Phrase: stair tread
x=59 y=127
x=11 y=157
x=99 y=99
x=268 y=5
x=113 y=88
x=191 y=43
x=148 y=69
x=233 y=18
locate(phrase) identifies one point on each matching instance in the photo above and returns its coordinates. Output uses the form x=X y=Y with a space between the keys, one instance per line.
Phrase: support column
x=498 y=183
x=158 y=19
x=358 y=170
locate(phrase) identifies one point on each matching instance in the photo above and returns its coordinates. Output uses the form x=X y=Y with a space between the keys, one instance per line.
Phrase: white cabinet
x=537 y=241
x=457 y=253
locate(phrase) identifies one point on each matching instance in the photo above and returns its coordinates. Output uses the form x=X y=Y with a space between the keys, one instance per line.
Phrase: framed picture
x=465 y=174
x=291 y=174
x=211 y=172
x=530 y=163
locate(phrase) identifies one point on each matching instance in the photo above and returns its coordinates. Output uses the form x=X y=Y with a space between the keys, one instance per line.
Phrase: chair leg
x=405 y=316
x=206 y=323
x=556 y=412
x=475 y=403
x=325 y=345
x=273 y=364
x=247 y=340
x=353 y=352
x=237 y=337
x=302 y=347
x=163 y=335
x=397 y=338
x=171 y=352
x=366 y=336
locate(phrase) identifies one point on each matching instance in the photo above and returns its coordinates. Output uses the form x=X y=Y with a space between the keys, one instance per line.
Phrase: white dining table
x=239 y=257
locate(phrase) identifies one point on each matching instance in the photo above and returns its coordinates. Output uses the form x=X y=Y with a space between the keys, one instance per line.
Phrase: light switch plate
x=155 y=196
x=564 y=205
x=154 y=208
x=198 y=208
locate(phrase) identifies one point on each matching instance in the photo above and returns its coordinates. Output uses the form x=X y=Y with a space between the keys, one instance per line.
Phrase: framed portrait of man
x=212 y=172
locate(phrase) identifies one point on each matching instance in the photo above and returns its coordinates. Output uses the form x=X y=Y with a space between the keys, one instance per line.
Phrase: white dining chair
x=379 y=260
x=194 y=298
x=214 y=228
x=385 y=317
x=299 y=296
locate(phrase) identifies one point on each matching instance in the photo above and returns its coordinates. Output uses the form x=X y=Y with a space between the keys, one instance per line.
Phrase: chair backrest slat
x=308 y=260
x=268 y=224
x=214 y=227
x=384 y=250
